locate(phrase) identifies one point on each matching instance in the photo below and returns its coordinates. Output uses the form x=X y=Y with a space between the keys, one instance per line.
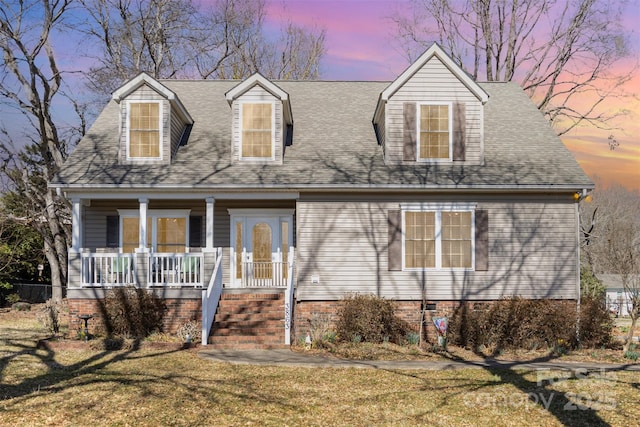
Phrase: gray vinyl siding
x=177 y=128
x=142 y=94
x=532 y=252
x=382 y=133
x=257 y=94
x=434 y=83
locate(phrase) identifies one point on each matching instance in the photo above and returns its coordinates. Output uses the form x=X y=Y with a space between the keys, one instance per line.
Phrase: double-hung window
x=257 y=140
x=167 y=231
x=144 y=130
x=438 y=238
x=434 y=132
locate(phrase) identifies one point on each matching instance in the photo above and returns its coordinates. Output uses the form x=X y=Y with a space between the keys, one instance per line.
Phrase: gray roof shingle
x=334 y=146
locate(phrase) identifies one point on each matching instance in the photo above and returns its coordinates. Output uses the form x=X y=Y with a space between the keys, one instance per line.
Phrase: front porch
x=184 y=247
x=105 y=268
x=191 y=284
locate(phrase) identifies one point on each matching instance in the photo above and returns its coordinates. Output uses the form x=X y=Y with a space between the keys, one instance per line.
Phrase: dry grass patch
x=159 y=387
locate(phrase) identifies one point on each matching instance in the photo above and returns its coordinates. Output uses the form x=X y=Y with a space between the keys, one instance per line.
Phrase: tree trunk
x=629 y=339
x=56 y=279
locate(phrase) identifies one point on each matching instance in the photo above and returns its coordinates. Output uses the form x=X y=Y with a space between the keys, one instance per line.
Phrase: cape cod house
x=282 y=196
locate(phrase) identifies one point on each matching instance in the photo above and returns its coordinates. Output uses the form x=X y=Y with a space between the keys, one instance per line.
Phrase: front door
x=259 y=248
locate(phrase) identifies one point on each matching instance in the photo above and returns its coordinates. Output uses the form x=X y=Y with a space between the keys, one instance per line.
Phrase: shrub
x=190 y=332
x=5 y=288
x=412 y=338
x=13 y=298
x=515 y=323
x=49 y=315
x=530 y=324
x=370 y=319
x=320 y=330
x=596 y=324
x=132 y=312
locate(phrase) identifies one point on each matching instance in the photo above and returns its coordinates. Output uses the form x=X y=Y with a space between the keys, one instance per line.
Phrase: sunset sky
x=360 y=46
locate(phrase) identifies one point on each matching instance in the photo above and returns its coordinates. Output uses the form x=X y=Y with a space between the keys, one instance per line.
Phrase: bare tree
x=181 y=39
x=561 y=53
x=31 y=82
x=611 y=242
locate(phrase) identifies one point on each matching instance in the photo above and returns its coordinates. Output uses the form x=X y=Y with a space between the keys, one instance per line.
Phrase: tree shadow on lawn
x=93 y=371
x=570 y=409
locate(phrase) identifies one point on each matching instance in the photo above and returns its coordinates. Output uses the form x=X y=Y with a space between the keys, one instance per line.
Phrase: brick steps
x=248 y=320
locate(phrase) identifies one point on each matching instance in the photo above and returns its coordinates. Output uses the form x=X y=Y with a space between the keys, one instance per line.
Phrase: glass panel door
x=260 y=247
x=262 y=251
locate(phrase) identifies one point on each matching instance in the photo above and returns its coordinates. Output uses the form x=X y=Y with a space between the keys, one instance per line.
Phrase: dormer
x=432 y=113
x=153 y=122
x=262 y=121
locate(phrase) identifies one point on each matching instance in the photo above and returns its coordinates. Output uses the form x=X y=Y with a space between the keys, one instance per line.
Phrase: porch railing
x=211 y=298
x=178 y=269
x=99 y=269
x=266 y=274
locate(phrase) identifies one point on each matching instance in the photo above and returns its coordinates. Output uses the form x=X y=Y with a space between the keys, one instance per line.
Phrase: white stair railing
x=211 y=298
x=288 y=300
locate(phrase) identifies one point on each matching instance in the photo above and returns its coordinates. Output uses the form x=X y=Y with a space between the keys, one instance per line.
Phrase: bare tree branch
x=558 y=51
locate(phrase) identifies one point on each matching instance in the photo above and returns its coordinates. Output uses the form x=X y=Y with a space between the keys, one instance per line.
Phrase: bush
x=132 y=312
x=596 y=324
x=49 y=315
x=514 y=323
x=190 y=331
x=320 y=330
x=530 y=324
x=5 y=288
x=369 y=318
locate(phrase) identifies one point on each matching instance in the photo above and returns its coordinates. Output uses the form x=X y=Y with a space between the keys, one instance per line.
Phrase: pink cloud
x=358 y=35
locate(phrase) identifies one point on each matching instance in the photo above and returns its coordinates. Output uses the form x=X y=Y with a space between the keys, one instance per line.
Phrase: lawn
x=176 y=387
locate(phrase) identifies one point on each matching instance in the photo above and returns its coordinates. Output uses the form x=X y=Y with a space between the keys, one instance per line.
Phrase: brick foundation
x=410 y=311
x=177 y=312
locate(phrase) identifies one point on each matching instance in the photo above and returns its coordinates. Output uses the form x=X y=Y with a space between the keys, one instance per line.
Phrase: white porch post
x=143 y=224
x=75 y=224
x=210 y=222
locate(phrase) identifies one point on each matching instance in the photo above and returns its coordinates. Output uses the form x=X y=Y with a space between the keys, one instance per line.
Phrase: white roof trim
x=266 y=84
x=145 y=79
x=438 y=52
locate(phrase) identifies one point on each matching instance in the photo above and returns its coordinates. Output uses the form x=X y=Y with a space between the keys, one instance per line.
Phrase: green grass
x=156 y=387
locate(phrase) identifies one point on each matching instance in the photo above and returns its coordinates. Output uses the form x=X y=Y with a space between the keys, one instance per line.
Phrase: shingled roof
x=334 y=146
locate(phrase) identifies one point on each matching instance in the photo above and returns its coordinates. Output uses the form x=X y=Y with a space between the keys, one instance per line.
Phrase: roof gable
x=145 y=79
x=266 y=84
x=434 y=51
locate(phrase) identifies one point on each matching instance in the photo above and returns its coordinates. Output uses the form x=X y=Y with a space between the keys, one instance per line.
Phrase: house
x=618 y=300
x=431 y=188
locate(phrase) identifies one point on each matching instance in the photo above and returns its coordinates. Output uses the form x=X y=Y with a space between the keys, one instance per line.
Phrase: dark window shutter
x=459 y=127
x=482 y=240
x=395 y=240
x=195 y=231
x=409 y=131
x=113 y=231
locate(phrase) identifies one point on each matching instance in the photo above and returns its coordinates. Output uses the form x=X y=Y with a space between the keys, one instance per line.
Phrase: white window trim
x=273 y=132
x=128 y=130
x=154 y=214
x=418 y=121
x=438 y=208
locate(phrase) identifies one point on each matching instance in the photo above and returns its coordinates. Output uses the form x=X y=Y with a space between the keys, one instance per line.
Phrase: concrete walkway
x=298 y=359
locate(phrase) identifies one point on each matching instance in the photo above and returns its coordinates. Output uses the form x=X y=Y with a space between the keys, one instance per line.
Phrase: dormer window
x=145 y=130
x=257 y=131
x=434 y=132
x=153 y=122
x=261 y=121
